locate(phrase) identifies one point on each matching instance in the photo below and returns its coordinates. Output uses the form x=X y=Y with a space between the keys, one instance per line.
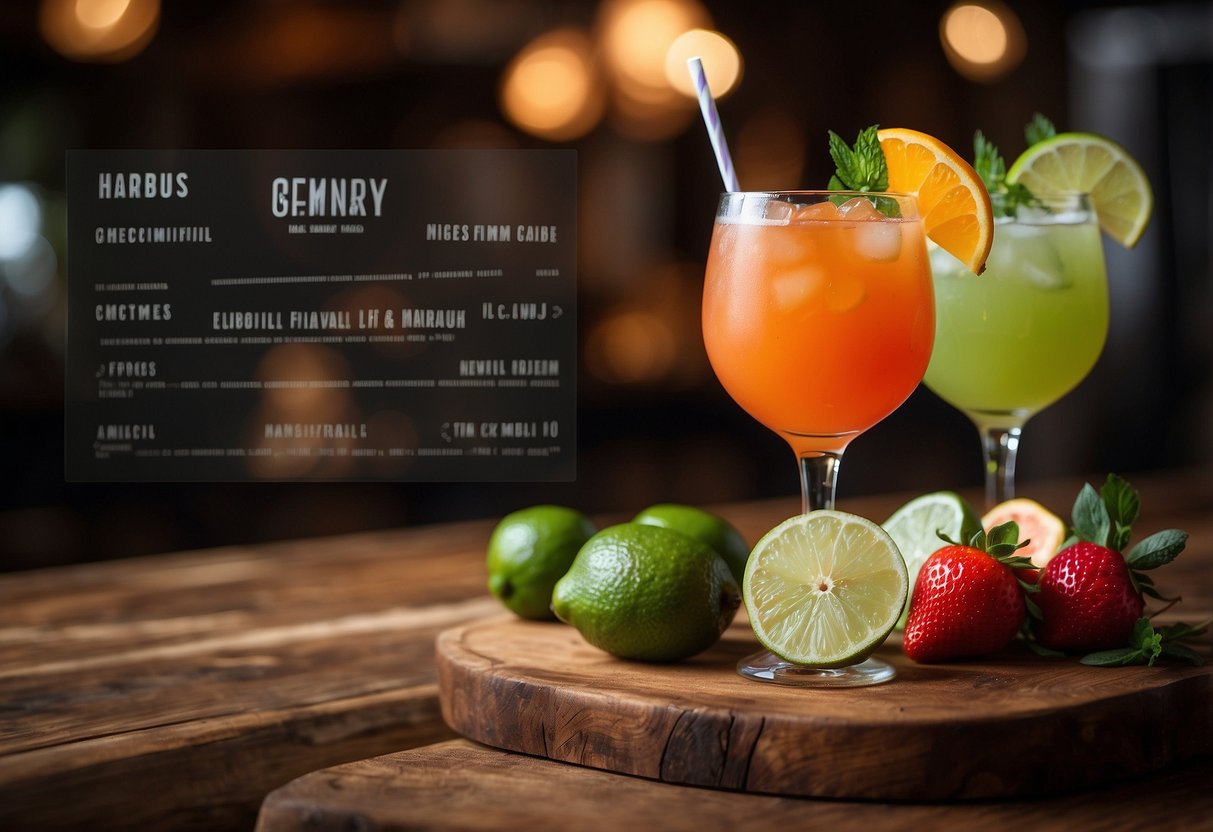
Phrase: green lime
x=1090 y=164
x=644 y=592
x=824 y=589
x=529 y=551
x=915 y=526
x=704 y=527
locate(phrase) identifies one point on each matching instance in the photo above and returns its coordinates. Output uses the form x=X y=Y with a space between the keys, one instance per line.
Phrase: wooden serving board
x=1016 y=726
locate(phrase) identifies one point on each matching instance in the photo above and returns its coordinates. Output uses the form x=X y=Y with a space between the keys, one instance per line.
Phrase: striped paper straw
x=707 y=105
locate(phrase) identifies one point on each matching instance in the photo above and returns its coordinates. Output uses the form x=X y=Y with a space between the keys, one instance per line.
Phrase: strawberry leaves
x=1157 y=549
x=1106 y=518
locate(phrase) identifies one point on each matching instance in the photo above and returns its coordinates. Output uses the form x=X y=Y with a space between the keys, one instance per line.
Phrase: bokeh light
x=983 y=41
x=20 y=221
x=100 y=14
x=550 y=89
x=633 y=346
x=637 y=35
x=721 y=62
x=105 y=31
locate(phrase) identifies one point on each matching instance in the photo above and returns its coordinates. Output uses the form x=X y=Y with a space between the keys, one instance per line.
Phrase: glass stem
x=818 y=479
x=1000 y=445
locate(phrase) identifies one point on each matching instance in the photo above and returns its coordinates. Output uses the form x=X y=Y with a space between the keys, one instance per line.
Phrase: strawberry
x=1087 y=600
x=1090 y=595
x=967 y=600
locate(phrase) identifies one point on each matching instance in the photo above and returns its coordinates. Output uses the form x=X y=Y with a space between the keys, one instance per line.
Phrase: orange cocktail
x=818 y=319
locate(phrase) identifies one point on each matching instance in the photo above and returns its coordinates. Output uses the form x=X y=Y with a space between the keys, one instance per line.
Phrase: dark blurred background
x=654 y=424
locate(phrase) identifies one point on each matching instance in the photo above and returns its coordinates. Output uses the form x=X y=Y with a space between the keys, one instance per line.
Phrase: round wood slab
x=1019 y=725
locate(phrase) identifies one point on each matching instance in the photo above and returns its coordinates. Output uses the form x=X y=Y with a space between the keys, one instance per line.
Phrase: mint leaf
x=990 y=166
x=1157 y=549
x=1119 y=657
x=1039 y=129
x=988 y=162
x=1147 y=645
x=1178 y=632
x=1089 y=517
x=841 y=153
x=1182 y=630
x=861 y=168
x=1183 y=654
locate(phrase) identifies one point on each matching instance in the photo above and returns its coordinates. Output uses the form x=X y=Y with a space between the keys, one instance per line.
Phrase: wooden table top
x=461 y=785
x=176 y=691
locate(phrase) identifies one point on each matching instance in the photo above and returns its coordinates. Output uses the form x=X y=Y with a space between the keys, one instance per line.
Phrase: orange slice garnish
x=952 y=200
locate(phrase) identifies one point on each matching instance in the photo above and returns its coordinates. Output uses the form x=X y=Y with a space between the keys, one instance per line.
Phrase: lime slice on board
x=825 y=588
x=1086 y=163
x=915 y=529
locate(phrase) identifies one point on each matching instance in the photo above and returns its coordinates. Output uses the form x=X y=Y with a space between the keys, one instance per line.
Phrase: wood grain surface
x=174 y=692
x=1012 y=725
x=459 y=785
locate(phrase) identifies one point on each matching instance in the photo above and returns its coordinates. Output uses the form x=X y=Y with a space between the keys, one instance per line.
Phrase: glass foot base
x=767 y=667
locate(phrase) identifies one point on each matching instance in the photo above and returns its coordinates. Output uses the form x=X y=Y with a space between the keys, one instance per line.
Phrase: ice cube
x=816 y=211
x=1026 y=253
x=793 y=288
x=845 y=293
x=787 y=248
x=859 y=208
x=880 y=241
x=777 y=212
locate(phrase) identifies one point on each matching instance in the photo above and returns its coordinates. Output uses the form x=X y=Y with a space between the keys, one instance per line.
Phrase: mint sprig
x=1147 y=645
x=992 y=169
x=1039 y=129
x=859 y=168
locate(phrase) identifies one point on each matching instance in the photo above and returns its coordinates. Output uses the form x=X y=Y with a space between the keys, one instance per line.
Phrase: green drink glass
x=1019 y=337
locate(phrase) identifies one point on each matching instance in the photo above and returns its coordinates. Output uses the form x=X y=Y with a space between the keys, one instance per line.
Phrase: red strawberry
x=967 y=601
x=1090 y=595
x=1087 y=600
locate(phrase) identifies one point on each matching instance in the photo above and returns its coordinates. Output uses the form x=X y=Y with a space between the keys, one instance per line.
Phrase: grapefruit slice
x=1037 y=524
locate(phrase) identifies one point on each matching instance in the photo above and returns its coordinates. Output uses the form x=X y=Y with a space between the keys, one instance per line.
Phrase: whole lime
x=645 y=592
x=529 y=551
x=703 y=526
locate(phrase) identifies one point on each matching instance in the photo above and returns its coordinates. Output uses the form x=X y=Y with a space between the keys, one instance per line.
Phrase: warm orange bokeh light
x=637 y=34
x=100 y=14
x=550 y=89
x=721 y=62
x=983 y=41
x=631 y=347
x=106 y=31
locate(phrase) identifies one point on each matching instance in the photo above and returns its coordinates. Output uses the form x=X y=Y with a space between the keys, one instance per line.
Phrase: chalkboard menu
x=321 y=315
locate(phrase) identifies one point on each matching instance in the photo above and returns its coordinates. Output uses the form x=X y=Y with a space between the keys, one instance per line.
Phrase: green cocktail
x=1019 y=337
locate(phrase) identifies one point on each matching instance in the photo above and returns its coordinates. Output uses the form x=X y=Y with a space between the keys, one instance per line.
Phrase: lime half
x=825 y=588
x=1086 y=163
x=915 y=529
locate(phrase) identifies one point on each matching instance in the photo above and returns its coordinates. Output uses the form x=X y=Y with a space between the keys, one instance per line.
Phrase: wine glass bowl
x=818 y=319
x=1025 y=333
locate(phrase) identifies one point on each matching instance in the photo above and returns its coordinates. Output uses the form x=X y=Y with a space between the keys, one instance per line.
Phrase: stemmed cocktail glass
x=818 y=318
x=1019 y=337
